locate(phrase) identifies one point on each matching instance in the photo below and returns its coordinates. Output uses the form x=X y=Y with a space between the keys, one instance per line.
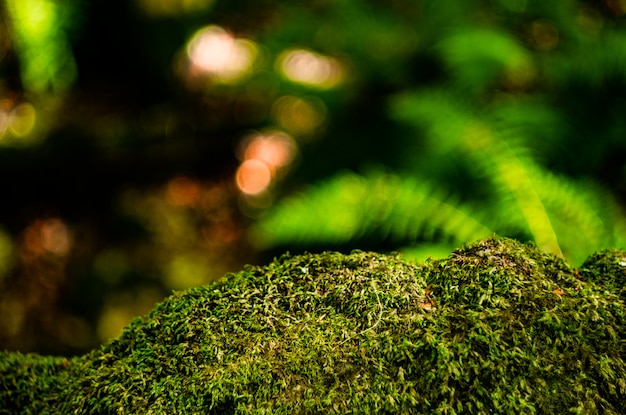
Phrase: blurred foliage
x=152 y=145
x=45 y=56
x=349 y=207
x=487 y=132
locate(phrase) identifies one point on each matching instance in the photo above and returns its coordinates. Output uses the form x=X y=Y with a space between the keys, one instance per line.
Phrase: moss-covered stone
x=497 y=327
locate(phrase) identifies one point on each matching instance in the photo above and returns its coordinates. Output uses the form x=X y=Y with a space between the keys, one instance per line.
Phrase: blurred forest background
x=152 y=145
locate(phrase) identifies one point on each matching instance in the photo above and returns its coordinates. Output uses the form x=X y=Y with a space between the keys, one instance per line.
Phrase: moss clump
x=608 y=270
x=497 y=327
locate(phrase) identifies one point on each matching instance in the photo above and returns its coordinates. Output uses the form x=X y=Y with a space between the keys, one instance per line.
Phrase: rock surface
x=497 y=327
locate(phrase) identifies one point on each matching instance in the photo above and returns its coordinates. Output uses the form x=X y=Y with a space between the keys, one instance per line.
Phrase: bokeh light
x=47 y=236
x=28 y=302
x=275 y=149
x=17 y=122
x=22 y=119
x=264 y=156
x=194 y=232
x=299 y=116
x=253 y=176
x=309 y=68
x=215 y=52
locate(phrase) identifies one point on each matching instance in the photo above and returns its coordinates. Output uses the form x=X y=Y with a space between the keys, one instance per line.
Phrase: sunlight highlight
x=309 y=68
x=217 y=53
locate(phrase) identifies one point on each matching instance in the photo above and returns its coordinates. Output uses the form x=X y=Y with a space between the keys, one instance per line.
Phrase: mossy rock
x=496 y=328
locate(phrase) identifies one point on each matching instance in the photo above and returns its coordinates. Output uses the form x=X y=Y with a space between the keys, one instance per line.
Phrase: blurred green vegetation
x=152 y=145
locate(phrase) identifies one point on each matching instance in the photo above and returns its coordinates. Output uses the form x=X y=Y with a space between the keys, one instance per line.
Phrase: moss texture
x=497 y=327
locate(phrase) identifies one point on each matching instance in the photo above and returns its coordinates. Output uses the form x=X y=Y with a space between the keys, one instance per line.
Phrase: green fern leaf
x=350 y=206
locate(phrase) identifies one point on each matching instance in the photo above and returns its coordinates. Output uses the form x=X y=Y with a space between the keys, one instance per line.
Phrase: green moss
x=497 y=327
x=607 y=269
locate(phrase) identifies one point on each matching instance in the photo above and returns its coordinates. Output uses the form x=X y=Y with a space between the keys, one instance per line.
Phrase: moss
x=497 y=327
x=607 y=269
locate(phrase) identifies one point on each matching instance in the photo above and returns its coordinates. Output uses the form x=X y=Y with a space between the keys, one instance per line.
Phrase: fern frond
x=476 y=57
x=585 y=217
x=566 y=217
x=513 y=173
x=504 y=162
x=349 y=206
x=561 y=215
